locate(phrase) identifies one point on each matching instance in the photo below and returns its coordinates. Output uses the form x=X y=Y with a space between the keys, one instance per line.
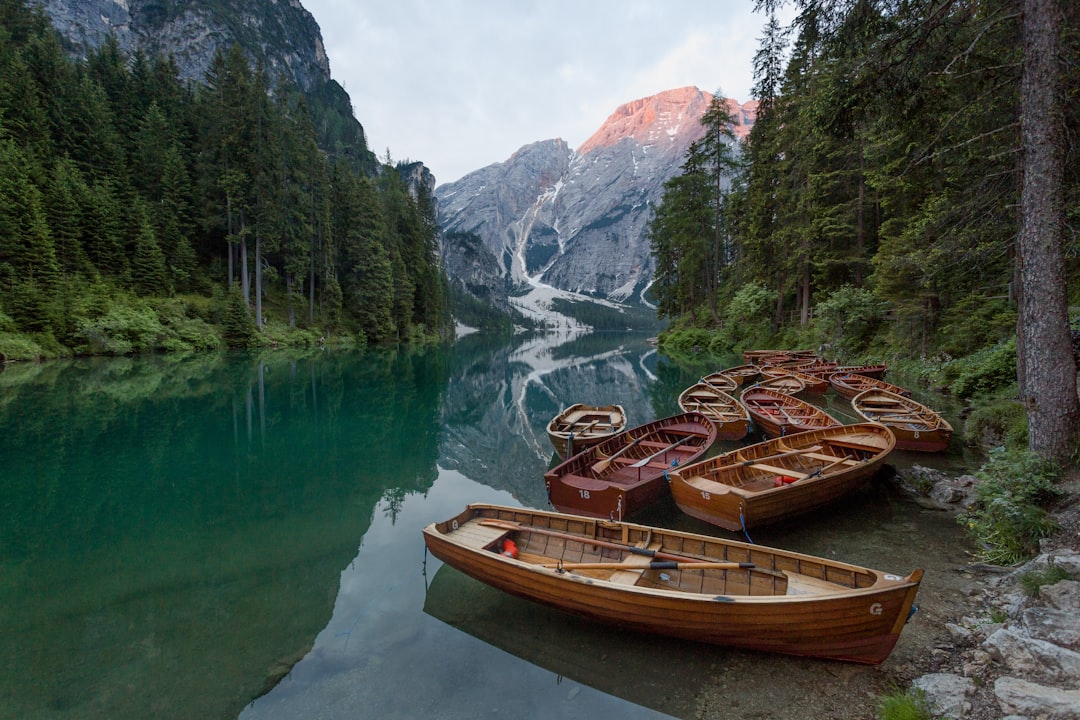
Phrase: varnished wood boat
x=743 y=374
x=916 y=426
x=720 y=381
x=776 y=357
x=625 y=474
x=782 y=382
x=849 y=385
x=581 y=426
x=811 y=383
x=777 y=414
x=683 y=585
x=781 y=478
x=874 y=371
x=731 y=419
x=820 y=368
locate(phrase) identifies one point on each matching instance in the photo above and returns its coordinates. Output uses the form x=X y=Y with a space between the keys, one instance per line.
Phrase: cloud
x=461 y=84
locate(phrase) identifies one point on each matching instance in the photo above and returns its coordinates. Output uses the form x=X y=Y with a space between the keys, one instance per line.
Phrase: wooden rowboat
x=874 y=371
x=743 y=374
x=916 y=426
x=781 y=478
x=731 y=419
x=625 y=474
x=778 y=414
x=683 y=585
x=849 y=385
x=721 y=381
x=581 y=426
x=784 y=382
x=776 y=357
x=811 y=383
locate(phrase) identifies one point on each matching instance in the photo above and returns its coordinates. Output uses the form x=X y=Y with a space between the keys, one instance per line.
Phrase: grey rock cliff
x=280 y=33
x=577 y=220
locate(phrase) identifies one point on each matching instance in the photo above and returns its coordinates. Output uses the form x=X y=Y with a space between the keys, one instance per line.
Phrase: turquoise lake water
x=238 y=535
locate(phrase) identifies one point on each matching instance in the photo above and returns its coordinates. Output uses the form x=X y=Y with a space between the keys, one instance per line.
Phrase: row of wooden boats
x=588 y=559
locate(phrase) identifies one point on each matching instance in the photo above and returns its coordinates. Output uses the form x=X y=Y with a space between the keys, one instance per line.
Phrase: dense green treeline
x=139 y=213
x=876 y=203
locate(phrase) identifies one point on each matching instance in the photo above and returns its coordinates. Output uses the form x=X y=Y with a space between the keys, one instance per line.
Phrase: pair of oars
x=603 y=464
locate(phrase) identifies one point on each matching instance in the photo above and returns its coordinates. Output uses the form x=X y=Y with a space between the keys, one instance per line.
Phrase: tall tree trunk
x=258 y=280
x=245 y=281
x=1046 y=370
x=229 y=242
x=860 y=223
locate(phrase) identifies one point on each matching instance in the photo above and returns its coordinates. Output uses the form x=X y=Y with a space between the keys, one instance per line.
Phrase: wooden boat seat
x=707 y=485
x=779 y=470
x=805 y=585
x=481 y=535
x=828 y=458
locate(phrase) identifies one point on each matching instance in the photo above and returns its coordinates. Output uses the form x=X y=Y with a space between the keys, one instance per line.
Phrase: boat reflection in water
x=617 y=662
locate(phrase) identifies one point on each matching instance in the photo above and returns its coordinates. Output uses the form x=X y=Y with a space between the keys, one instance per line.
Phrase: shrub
x=848 y=319
x=984 y=371
x=1032 y=580
x=900 y=705
x=1008 y=518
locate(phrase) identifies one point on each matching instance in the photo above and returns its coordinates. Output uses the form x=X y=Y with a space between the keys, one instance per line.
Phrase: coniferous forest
x=139 y=212
x=910 y=189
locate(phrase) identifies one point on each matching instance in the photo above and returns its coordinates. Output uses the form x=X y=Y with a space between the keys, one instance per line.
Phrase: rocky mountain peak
x=670 y=116
x=577 y=222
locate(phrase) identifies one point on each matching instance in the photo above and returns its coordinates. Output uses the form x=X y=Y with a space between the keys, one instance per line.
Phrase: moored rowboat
x=581 y=426
x=684 y=585
x=625 y=474
x=811 y=383
x=781 y=478
x=849 y=385
x=731 y=419
x=916 y=426
x=874 y=371
x=743 y=374
x=778 y=414
x=721 y=381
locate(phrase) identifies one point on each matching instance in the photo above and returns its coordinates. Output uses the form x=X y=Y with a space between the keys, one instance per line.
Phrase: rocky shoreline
x=1017 y=655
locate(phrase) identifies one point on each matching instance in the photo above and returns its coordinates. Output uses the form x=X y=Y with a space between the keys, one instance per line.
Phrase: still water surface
x=225 y=536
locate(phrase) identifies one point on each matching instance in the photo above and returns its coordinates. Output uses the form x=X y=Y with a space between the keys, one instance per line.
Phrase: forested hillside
x=139 y=212
x=879 y=207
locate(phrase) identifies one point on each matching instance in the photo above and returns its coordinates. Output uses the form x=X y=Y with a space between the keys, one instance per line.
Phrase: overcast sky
x=462 y=84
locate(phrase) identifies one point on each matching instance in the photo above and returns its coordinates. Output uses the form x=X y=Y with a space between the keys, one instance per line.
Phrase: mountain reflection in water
x=239 y=534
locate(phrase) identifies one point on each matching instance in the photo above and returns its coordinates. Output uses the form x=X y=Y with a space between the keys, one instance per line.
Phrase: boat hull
x=917 y=427
x=778 y=414
x=580 y=426
x=773 y=481
x=624 y=475
x=860 y=623
x=731 y=419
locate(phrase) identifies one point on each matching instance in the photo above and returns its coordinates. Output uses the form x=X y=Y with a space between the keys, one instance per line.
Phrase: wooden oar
x=508 y=525
x=603 y=464
x=789 y=453
x=654 y=565
x=645 y=461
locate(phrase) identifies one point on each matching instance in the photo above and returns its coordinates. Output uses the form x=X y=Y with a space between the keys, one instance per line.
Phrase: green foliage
x=987 y=370
x=900 y=705
x=847 y=320
x=1032 y=580
x=692 y=341
x=997 y=419
x=238 y=326
x=126 y=328
x=747 y=320
x=1008 y=518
